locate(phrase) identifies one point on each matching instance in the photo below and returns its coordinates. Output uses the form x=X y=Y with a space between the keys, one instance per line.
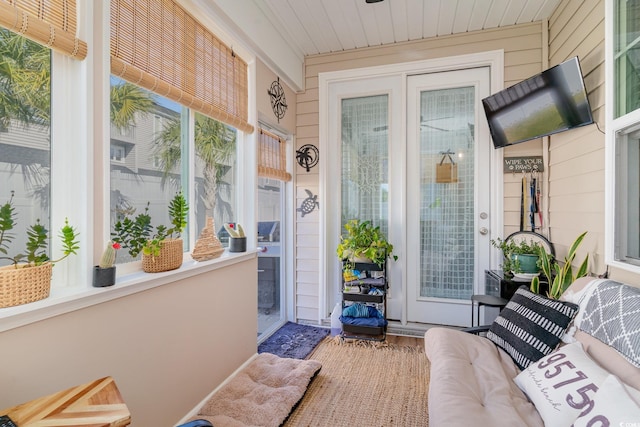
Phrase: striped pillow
x=531 y=326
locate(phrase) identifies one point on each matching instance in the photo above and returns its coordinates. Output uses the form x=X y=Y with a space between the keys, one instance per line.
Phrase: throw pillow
x=562 y=384
x=614 y=404
x=531 y=326
x=611 y=315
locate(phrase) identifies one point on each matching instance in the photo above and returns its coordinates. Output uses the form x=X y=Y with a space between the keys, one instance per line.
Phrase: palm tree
x=25 y=100
x=126 y=102
x=25 y=81
x=215 y=144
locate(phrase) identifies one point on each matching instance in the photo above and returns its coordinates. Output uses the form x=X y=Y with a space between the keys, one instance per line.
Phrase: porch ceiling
x=321 y=26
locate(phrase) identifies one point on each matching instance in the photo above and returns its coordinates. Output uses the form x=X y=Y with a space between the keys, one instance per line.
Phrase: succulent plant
x=234 y=230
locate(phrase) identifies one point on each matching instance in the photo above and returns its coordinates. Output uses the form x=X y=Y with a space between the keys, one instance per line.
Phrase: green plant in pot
x=363 y=243
x=161 y=246
x=28 y=278
x=520 y=257
x=563 y=275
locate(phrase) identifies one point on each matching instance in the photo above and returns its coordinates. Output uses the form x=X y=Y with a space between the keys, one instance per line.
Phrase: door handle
x=484 y=231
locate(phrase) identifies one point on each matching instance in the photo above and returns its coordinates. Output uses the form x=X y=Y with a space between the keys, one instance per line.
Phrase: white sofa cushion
x=471 y=383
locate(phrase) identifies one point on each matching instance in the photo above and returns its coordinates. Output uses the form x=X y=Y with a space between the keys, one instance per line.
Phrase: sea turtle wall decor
x=309 y=204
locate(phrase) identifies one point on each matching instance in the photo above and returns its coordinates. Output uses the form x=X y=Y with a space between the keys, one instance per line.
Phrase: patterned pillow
x=614 y=404
x=531 y=326
x=562 y=385
x=611 y=315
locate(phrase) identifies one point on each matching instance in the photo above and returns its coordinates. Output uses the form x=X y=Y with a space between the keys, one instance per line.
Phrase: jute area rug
x=364 y=383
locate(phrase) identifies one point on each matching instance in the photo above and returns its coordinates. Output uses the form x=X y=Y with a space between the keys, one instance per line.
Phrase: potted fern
x=161 y=246
x=28 y=277
x=363 y=243
x=520 y=257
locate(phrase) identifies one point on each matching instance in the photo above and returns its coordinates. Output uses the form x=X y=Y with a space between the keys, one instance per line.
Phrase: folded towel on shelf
x=364 y=321
x=361 y=310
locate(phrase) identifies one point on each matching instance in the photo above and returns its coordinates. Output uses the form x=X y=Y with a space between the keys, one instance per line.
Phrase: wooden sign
x=523 y=164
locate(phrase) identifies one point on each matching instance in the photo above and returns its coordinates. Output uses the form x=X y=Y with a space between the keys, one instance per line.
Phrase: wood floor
x=405 y=341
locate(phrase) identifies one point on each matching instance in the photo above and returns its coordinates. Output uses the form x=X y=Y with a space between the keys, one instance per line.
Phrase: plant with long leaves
x=563 y=276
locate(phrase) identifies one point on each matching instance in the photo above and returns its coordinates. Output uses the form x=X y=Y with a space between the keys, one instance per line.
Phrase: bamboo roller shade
x=158 y=45
x=51 y=23
x=272 y=157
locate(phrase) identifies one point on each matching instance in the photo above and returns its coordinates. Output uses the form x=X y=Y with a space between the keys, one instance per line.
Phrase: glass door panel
x=365 y=154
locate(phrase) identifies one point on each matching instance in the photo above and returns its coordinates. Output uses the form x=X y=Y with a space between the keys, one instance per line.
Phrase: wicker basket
x=170 y=257
x=24 y=284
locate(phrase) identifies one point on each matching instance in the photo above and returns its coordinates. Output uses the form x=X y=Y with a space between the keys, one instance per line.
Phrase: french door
x=390 y=140
x=448 y=152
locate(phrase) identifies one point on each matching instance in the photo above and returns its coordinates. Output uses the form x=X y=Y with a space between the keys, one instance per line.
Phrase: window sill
x=65 y=300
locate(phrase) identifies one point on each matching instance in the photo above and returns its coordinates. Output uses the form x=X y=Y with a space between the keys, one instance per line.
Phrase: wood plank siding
x=523 y=53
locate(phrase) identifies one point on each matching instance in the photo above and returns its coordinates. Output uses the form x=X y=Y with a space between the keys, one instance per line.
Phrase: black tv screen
x=547 y=103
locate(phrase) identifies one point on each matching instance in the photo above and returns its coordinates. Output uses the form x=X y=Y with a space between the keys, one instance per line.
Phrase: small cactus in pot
x=104 y=274
x=109 y=255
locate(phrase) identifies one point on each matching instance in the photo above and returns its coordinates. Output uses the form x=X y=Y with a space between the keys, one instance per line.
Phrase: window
x=150 y=175
x=215 y=172
x=25 y=143
x=624 y=134
x=117 y=153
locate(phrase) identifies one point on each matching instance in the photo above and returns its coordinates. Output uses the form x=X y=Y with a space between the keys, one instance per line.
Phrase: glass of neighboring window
x=147 y=133
x=626 y=89
x=215 y=173
x=25 y=134
x=627 y=56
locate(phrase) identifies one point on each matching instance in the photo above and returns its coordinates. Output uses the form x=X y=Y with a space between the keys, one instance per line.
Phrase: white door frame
x=330 y=214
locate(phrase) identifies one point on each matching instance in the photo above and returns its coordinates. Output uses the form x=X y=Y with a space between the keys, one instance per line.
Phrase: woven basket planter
x=24 y=284
x=170 y=257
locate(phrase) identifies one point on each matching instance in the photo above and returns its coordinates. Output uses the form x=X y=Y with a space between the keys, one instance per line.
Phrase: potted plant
x=363 y=243
x=161 y=247
x=520 y=257
x=562 y=276
x=28 y=278
x=237 y=238
x=104 y=274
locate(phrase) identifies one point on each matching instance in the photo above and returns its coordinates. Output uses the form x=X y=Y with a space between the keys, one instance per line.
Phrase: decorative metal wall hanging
x=278 y=99
x=307 y=156
x=309 y=204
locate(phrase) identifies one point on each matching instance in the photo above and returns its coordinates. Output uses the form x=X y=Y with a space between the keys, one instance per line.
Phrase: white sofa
x=473 y=382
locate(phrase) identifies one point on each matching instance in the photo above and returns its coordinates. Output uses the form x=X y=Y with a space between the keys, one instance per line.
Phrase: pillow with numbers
x=614 y=405
x=562 y=385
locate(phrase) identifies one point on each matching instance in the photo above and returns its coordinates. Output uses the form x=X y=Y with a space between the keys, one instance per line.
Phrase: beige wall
x=523 y=55
x=264 y=78
x=576 y=158
x=166 y=347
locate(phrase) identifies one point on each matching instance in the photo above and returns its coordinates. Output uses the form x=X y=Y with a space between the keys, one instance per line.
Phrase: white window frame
x=614 y=126
x=80 y=123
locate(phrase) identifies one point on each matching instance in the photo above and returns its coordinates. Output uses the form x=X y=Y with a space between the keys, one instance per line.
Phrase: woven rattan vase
x=24 y=284
x=170 y=257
